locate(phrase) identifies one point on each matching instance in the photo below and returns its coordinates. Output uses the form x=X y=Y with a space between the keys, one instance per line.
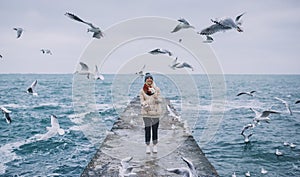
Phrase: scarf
x=147 y=90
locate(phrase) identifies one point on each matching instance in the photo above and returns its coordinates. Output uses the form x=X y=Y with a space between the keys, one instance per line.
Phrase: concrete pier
x=126 y=139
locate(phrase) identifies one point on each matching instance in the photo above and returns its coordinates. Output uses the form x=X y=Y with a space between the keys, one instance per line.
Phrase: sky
x=268 y=45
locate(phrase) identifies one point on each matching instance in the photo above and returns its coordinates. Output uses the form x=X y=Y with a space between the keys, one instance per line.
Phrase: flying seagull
x=96 y=30
x=19 y=31
x=263 y=116
x=31 y=90
x=53 y=130
x=246 y=137
x=185 y=172
x=286 y=105
x=6 y=114
x=160 y=51
x=183 y=24
x=98 y=75
x=141 y=72
x=246 y=93
x=125 y=169
x=173 y=114
x=176 y=64
x=84 y=70
x=46 y=51
x=223 y=24
x=278 y=153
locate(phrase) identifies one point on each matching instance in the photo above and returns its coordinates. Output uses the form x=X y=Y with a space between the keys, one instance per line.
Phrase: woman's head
x=148 y=78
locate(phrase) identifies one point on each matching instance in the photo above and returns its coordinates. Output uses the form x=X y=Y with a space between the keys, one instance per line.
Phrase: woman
x=151 y=111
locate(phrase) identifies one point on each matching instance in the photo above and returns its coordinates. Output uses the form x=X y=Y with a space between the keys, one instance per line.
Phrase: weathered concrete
x=127 y=140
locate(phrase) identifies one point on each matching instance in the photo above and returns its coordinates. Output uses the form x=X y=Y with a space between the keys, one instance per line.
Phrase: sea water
x=85 y=114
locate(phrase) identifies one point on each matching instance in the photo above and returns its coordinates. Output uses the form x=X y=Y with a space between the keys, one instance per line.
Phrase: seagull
x=160 y=51
x=19 y=31
x=6 y=114
x=262 y=116
x=172 y=113
x=97 y=74
x=248 y=174
x=141 y=72
x=278 y=153
x=184 y=65
x=263 y=171
x=125 y=169
x=185 y=172
x=246 y=93
x=96 y=30
x=223 y=24
x=298 y=101
x=286 y=105
x=286 y=143
x=292 y=145
x=31 y=89
x=84 y=70
x=183 y=24
x=246 y=137
x=46 y=51
x=53 y=130
x=174 y=63
x=233 y=175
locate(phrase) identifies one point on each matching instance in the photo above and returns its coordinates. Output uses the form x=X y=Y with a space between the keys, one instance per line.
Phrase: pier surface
x=126 y=139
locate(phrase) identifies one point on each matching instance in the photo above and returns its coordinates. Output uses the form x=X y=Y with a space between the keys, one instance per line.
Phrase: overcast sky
x=268 y=45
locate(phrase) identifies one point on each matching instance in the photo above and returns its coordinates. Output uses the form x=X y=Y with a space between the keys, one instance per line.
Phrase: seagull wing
x=180 y=171
x=76 y=18
x=255 y=111
x=5 y=110
x=184 y=21
x=19 y=31
x=155 y=51
x=241 y=93
x=286 y=105
x=84 y=67
x=237 y=19
x=189 y=163
x=7 y=117
x=267 y=113
x=213 y=29
x=54 y=122
x=177 y=28
x=33 y=84
x=298 y=101
x=125 y=162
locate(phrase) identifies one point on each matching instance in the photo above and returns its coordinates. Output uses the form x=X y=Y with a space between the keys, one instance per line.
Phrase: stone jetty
x=126 y=140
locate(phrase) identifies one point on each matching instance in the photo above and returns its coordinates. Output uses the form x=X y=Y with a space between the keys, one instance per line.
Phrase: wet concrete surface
x=126 y=139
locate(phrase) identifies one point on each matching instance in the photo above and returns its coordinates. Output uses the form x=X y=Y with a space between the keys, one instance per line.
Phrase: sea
x=86 y=109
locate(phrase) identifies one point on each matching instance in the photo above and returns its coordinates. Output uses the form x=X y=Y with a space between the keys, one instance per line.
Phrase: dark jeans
x=151 y=123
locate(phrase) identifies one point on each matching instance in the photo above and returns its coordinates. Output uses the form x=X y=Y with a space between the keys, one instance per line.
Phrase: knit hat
x=147 y=75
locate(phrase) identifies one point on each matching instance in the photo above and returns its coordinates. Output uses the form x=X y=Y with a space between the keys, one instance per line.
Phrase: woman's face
x=149 y=81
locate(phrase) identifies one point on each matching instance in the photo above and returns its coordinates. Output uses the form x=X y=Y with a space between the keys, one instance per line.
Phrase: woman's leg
x=147 y=122
x=155 y=124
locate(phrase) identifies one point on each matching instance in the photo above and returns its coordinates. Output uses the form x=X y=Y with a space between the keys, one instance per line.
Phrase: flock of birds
x=260 y=117
x=55 y=127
